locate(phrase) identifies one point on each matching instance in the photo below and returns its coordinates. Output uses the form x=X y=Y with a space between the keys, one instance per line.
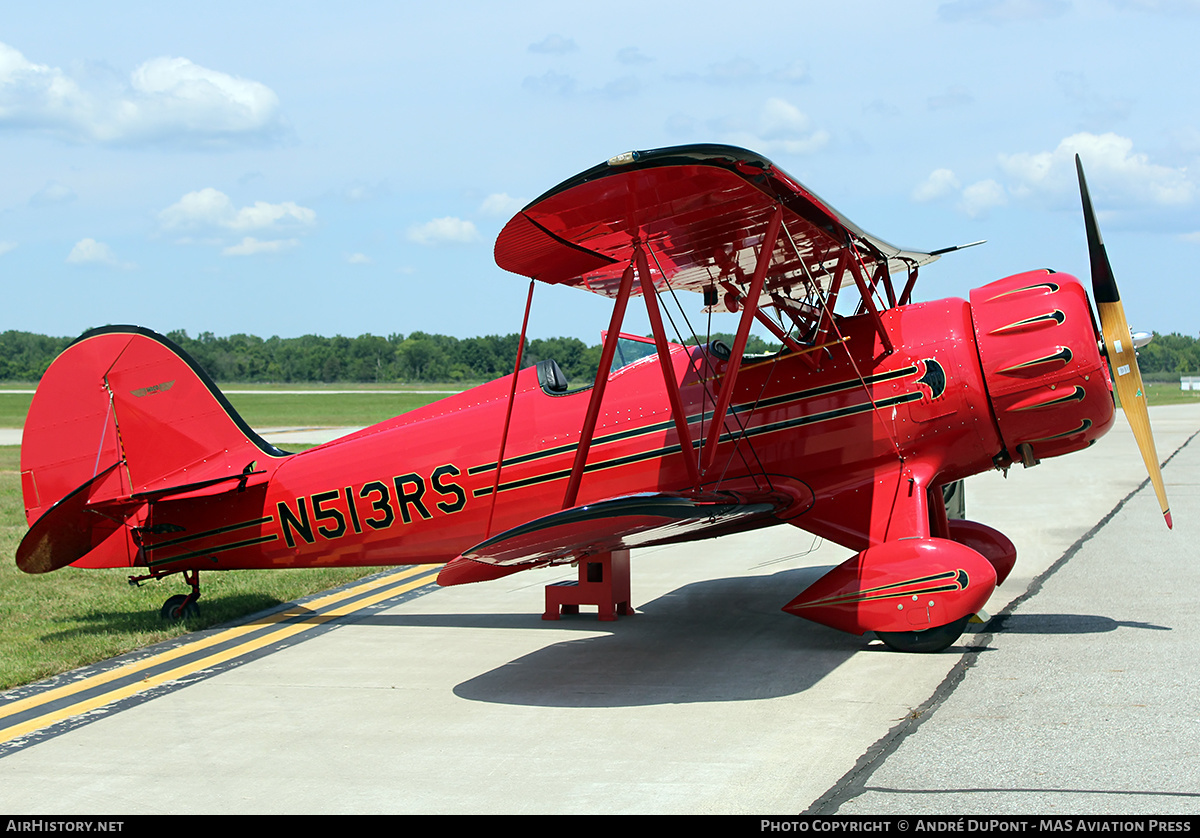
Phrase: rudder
x=128 y=412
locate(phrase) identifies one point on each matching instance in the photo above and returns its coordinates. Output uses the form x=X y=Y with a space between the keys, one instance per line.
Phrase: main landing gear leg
x=183 y=606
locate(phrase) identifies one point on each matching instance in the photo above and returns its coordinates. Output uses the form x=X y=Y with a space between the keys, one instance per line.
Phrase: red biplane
x=133 y=458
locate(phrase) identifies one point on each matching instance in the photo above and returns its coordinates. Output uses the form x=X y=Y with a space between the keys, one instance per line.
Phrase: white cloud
x=359 y=192
x=955 y=96
x=1001 y=11
x=251 y=246
x=1165 y=7
x=199 y=99
x=782 y=127
x=741 y=71
x=439 y=231
x=263 y=215
x=633 y=56
x=553 y=45
x=939 y=184
x=212 y=208
x=206 y=207
x=1110 y=164
x=52 y=193
x=500 y=205
x=359 y=259
x=786 y=126
x=164 y=99
x=92 y=252
x=979 y=198
x=207 y=241
x=7 y=247
x=622 y=87
x=1123 y=177
x=795 y=73
x=550 y=82
x=736 y=70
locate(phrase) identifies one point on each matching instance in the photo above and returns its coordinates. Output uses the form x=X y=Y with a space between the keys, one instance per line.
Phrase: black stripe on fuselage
x=208 y=551
x=658 y=427
x=218 y=531
x=666 y=451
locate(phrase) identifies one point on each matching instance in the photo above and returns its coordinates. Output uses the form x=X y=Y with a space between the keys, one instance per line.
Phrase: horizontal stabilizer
x=72 y=528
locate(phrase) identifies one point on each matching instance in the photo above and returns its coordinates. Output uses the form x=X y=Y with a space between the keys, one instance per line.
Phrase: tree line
x=422 y=357
x=415 y=357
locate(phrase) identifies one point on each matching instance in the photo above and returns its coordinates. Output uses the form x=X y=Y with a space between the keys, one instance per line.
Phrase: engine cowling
x=1039 y=346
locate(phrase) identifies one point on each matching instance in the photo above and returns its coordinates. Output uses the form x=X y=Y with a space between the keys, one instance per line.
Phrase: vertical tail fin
x=129 y=413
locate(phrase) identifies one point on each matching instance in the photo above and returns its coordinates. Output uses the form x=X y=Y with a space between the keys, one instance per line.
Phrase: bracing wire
x=704 y=391
x=867 y=390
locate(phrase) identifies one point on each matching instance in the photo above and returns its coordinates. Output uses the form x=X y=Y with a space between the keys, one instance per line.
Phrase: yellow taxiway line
x=314 y=613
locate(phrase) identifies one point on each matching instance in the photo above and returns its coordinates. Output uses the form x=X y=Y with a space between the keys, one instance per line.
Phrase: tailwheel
x=183 y=606
x=929 y=640
x=179 y=607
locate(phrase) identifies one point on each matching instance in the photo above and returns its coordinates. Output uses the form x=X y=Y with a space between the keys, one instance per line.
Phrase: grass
x=1159 y=393
x=265 y=408
x=341 y=386
x=274 y=410
x=13 y=407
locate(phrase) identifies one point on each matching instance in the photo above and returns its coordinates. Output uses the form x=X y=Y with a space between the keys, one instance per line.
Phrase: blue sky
x=293 y=168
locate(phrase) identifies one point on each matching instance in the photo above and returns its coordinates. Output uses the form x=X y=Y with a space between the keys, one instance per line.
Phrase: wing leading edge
x=614 y=524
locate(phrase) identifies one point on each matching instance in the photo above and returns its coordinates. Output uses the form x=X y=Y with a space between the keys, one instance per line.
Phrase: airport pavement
x=710 y=699
x=1082 y=698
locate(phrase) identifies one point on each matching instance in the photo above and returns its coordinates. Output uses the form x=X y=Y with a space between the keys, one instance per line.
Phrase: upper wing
x=700 y=210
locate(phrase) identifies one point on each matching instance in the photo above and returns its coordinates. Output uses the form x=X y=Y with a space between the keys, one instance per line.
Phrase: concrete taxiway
x=1078 y=697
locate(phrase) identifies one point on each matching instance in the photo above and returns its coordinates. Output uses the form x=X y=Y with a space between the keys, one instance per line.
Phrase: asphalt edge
x=136 y=655
x=853 y=782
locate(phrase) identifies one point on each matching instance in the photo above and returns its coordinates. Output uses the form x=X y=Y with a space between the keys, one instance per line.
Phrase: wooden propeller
x=1118 y=343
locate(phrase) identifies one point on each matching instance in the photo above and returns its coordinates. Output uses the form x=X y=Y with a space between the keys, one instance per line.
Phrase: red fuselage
x=859 y=437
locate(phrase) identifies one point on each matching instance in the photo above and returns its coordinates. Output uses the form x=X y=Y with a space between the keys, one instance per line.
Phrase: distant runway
x=322 y=392
x=316 y=392
x=1077 y=698
x=276 y=436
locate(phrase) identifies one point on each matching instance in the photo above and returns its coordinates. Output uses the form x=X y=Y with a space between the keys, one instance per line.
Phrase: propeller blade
x=1118 y=342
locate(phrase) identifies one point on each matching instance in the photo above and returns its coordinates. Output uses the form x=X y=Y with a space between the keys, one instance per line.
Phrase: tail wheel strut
x=183 y=606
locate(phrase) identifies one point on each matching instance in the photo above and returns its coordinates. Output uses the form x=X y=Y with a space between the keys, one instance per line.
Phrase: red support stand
x=603 y=582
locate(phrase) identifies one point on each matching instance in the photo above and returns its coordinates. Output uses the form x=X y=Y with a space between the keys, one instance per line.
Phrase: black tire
x=930 y=640
x=178 y=608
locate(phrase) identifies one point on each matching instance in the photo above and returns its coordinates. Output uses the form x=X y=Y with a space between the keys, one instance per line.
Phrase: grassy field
x=58 y=621
x=1169 y=393
x=274 y=410
x=266 y=408
x=262 y=406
